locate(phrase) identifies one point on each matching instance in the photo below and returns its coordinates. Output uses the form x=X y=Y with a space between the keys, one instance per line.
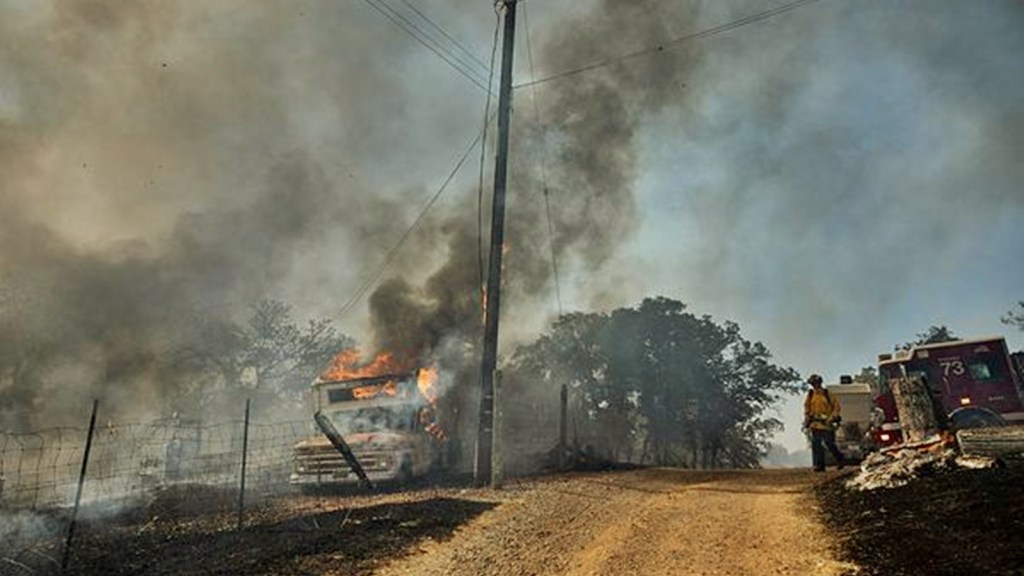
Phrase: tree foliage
x=1015 y=317
x=173 y=352
x=868 y=375
x=934 y=335
x=271 y=354
x=658 y=384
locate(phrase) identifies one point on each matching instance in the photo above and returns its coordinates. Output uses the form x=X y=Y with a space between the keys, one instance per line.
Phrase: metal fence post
x=245 y=451
x=78 y=494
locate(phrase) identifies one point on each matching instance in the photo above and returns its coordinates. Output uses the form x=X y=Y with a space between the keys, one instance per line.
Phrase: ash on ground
x=901 y=465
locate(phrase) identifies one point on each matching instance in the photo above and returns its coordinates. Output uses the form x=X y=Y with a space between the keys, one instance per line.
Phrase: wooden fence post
x=498 y=440
x=563 y=410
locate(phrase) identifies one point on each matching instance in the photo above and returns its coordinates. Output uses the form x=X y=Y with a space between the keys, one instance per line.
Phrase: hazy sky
x=835 y=179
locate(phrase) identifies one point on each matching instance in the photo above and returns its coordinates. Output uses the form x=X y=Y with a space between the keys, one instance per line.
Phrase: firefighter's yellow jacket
x=821 y=410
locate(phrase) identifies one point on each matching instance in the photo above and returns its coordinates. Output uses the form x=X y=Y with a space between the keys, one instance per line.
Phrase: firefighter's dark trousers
x=821 y=439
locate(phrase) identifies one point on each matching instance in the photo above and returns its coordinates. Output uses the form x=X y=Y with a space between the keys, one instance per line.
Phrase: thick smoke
x=575 y=140
x=78 y=324
x=165 y=168
x=167 y=165
x=850 y=164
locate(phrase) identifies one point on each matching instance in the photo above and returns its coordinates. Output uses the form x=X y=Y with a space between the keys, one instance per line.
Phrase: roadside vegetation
x=656 y=384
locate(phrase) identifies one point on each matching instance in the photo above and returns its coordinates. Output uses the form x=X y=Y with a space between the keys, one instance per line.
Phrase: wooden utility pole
x=485 y=440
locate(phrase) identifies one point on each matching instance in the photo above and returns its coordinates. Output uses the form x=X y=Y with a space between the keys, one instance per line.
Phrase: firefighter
x=821 y=417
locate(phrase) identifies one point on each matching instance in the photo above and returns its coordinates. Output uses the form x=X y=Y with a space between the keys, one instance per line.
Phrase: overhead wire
x=444 y=33
x=393 y=251
x=671 y=43
x=429 y=41
x=480 y=139
x=543 y=167
x=483 y=153
x=409 y=28
x=417 y=33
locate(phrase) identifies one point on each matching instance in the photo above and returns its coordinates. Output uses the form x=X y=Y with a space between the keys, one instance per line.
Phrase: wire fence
x=137 y=474
x=41 y=469
x=147 y=476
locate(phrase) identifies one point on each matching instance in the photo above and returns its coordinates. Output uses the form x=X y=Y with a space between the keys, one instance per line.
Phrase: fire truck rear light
x=885 y=437
x=965 y=401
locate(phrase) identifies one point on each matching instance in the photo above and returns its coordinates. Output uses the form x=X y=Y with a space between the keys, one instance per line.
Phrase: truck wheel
x=975 y=418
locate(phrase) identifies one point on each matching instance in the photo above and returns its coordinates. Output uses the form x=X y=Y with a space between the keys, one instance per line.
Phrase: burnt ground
x=351 y=541
x=189 y=531
x=956 y=522
x=649 y=522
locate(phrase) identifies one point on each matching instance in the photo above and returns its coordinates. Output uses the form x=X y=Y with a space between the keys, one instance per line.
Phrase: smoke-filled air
x=834 y=178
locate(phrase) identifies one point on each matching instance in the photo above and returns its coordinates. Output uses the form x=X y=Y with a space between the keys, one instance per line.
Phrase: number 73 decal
x=952 y=366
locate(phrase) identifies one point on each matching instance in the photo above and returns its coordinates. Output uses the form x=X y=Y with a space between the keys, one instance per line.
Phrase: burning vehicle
x=385 y=415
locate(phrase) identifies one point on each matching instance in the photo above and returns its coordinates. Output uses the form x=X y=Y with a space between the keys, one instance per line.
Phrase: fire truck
x=853 y=436
x=975 y=383
x=382 y=420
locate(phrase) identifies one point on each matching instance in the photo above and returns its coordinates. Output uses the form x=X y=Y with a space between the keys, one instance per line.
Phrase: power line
x=445 y=34
x=483 y=153
x=468 y=66
x=417 y=33
x=672 y=43
x=393 y=252
x=543 y=168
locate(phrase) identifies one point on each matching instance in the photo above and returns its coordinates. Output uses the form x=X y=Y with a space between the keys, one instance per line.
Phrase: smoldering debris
x=900 y=466
x=24 y=533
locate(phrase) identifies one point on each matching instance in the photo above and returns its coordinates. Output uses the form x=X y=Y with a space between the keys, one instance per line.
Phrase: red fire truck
x=975 y=382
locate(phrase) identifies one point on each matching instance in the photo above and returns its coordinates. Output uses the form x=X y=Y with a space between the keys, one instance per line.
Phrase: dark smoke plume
x=586 y=140
x=168 y=162
x=165 y=168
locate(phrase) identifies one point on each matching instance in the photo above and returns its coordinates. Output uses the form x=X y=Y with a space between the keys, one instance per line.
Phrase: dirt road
x=644 y=522
x=647 y=522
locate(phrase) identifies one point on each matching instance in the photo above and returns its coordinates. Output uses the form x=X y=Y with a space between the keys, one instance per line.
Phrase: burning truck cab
x=385 y=419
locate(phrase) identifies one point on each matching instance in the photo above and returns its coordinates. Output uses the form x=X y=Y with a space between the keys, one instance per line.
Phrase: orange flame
x=346 y=366
x=366 y=392
x=426 y=380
